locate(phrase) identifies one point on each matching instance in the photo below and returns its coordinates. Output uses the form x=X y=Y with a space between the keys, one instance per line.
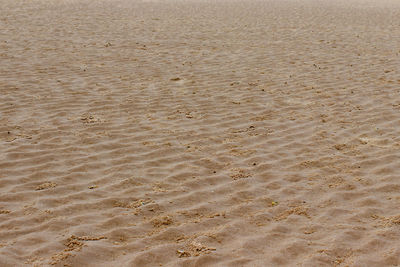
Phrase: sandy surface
x=207 y=133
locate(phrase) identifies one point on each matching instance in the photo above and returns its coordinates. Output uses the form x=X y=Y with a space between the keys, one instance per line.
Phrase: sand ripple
x=198 y=133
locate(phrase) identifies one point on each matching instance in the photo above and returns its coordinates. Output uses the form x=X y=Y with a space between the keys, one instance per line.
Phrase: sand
x=199 y=133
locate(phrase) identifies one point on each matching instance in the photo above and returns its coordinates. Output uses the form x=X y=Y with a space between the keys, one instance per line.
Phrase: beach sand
x=199 y=133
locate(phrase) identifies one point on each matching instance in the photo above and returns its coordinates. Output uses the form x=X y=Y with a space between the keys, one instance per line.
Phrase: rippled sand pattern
x=199 y=133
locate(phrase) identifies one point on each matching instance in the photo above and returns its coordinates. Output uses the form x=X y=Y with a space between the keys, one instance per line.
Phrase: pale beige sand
x=203 y=133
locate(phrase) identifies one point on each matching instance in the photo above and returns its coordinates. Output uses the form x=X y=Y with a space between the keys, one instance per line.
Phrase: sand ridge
x=199 y=133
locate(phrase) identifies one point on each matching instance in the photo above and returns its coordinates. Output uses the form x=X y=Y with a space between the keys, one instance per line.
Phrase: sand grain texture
x=199 y=133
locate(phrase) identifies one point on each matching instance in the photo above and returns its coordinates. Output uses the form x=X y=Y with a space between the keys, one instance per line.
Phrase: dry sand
x=199 y=133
